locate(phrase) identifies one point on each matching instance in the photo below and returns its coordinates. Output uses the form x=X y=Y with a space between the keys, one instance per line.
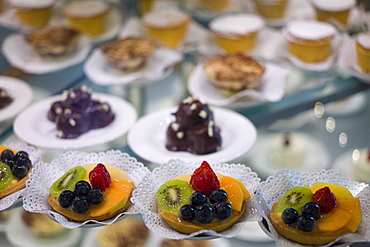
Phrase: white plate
x=20 y=55
x=252 y=232
x=153 y=240
x=348 y=106
x=18 y=234
x=344 y=164
x=348 y=60
x=21 y=93
x=271 y=89
x=33 y=126
x=147 y=137
x=100 y=72
x=317 y=156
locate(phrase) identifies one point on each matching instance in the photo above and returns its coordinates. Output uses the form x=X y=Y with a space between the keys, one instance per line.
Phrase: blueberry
x=95 y=196
x=198 y=198
x=9 y=163
x=21 y=154
x=223 y=210
x=80 y=204
x=23 y=161
x=65 y=198
x=20 y=171
x=311 y=209
x=305 y=223
x=218 y=196
x=82 y=188
x=204 y=213
x=7 y=154
x=289 y=216
x=187 y=212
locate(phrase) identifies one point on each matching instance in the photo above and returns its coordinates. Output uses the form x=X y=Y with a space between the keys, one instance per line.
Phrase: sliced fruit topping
x=235 y=195
x=174 y=194
x=114 y=172
x=100 y=177
x=6 y=176
x=204 y=179
x=295 y=198
x=226 y=180
x=325 y=199
x=18 y=162
x=351 y=205
x=67 y=181
x=337 y=219
x=338 y=190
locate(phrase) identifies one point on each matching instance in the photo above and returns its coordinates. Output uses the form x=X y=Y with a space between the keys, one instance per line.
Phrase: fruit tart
x=78 y=188
x=16 y=163
x=315 y=211
x=198 y=199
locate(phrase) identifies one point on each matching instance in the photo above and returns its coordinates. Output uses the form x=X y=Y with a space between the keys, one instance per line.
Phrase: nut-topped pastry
x=53 y=41
x=234 y=72
x=194 y=129
x=129 y=54
x=5 y=98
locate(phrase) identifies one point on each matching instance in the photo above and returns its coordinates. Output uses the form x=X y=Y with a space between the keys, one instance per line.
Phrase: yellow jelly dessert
x=34 y=13
x=168 y=26
x=271 y=9
x=88 y=17
x=335 y=11
x=363 y=51
x=309 y=40
x=236 y=33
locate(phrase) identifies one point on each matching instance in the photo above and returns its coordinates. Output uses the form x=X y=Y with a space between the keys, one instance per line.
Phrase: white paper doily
x=35 y=156
x=145 y=197
x=196 y=34
x=100 y=72
x=271 y=190
x=347 y=59
x=44 y=174
x=20 y=55
x=271 y=89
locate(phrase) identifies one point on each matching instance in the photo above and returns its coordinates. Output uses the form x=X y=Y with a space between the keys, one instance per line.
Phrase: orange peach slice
x=235 y=195
x=335 y=220
x=226 y=180
x=351 y=205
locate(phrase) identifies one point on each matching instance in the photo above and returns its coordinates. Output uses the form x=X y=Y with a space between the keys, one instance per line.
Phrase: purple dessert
x=72 y=123
x=5 y=98
x=193 y=130
x=101 y=114
x=78 y=113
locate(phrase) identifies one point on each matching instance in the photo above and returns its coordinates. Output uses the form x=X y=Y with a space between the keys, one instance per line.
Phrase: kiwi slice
x=6 y=176
x=68 y=180
x=294 y=198
x=174 y=194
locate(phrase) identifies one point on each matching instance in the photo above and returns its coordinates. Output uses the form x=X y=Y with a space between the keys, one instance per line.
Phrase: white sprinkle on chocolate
x=210 y=129
x=72 y=122
x=105 y=107
x=203 y=114
x=59 y=133
x=84 y=88
x=72 y=95
x=188 y=100
x=67 y=111
x=175 y=126
x=193 y=106
x=58 y=110
x=180 y=135
x=65 y=94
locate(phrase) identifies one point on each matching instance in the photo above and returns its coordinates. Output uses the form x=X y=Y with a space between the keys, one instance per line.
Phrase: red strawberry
x=204 y=179
x=100 y=177
x=325 y=199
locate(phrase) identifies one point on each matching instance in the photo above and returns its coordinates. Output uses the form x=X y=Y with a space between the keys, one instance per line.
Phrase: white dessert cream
x=335 y=11
x=288 y=150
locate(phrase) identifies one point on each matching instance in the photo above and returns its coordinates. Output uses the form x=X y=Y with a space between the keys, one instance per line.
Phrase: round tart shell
x=84 y=217
x=310 y=238
x=15 y=187
x=189 y=227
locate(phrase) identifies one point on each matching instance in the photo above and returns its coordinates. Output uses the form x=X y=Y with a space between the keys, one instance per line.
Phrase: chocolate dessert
x=193 y=130
x=5 y=98
x=78 y=113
